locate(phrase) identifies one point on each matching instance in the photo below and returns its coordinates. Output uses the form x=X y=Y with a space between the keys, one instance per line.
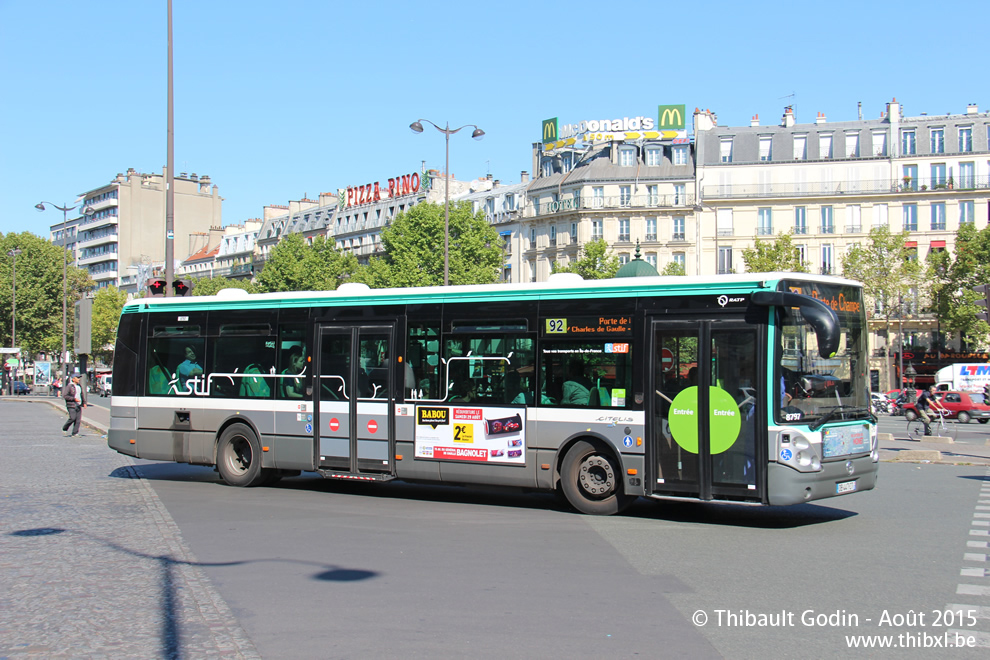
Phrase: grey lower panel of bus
x=786 y=485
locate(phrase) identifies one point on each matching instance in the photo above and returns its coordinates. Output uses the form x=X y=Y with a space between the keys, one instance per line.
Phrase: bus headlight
x=798 y=452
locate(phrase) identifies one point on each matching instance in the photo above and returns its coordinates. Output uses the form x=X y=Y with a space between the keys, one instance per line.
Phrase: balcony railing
x=823 y=189
x=614 y=202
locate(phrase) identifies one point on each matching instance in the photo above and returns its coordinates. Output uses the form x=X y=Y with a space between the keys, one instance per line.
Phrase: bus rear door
x=354 y=401
x=705 y=420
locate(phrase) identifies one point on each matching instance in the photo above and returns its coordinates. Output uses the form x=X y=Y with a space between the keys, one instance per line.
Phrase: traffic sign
x=666 y=359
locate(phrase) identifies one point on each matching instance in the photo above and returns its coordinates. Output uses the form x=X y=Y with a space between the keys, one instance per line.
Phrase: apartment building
x=829 y=183
x=627 y=180
x=121 y=231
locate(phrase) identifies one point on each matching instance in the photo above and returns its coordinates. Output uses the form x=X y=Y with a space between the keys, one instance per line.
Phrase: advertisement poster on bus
x=465 y=433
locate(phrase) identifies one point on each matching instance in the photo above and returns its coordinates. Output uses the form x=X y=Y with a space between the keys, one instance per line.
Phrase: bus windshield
x=814 y=389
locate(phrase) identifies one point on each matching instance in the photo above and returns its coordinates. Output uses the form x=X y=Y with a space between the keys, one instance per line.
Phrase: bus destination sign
x=588 y=326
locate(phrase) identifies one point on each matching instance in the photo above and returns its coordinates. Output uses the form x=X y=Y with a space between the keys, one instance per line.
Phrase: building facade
x=830 y=183
x=123 y=229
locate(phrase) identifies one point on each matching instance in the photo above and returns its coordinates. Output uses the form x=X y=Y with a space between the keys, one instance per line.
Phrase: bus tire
x=239 y=457
x=592 y=481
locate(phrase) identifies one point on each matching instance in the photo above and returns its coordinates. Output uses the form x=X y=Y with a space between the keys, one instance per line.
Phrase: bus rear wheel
x=239 y=457
x=592 y=481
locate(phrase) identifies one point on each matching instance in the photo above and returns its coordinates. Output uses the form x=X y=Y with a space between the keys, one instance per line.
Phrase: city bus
x=747 y=388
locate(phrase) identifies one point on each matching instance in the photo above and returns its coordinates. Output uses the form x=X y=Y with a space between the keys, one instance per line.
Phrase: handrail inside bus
x=819 y=316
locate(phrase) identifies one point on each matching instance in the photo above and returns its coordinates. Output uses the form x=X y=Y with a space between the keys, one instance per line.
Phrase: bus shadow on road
x=738 y=515
x=709 y=513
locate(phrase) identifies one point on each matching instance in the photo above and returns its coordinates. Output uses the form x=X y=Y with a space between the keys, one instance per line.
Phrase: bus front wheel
x=592 y=481
x=239 y=457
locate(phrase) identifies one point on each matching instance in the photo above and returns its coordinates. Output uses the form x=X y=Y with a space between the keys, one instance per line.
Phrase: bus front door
x=705 y=419
x=354 y=400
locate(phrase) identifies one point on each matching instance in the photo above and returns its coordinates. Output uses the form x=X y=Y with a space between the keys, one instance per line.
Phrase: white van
x=103 y=384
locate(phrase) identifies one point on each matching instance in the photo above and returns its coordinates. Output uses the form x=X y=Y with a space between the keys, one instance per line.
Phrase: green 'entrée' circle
x=724 y=419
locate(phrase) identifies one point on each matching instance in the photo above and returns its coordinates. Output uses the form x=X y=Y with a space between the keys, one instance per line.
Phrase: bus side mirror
x=819 y=316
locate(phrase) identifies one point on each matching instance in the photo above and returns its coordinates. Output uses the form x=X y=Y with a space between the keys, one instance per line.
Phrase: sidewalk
x=91 y=562
x=952 y=453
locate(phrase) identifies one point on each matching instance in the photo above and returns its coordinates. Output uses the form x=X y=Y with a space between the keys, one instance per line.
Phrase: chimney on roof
x=755 y=121
x=788 y=119
x=972 y=109
x=894 y=111
x=821 y=118
x=524 y=177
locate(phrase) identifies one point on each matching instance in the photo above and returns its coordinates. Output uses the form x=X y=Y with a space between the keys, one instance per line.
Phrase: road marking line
x=979 y=532
x=978 y=544
x=973 y=572
x=972 y=590
x=974 y=556
x=978 y=611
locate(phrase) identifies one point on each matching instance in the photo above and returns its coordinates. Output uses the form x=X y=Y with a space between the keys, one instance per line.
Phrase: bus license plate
x=845 y=487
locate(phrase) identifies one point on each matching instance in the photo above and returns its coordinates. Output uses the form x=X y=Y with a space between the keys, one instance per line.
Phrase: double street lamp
x=65 y=221
x=417 y=127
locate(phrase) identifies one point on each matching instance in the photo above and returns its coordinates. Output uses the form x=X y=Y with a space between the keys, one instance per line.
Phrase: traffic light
x=983 y=290
x=181 y=287
x=986 y=394
x=156 y=287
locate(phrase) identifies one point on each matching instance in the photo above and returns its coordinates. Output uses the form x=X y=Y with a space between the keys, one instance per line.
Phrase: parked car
x=961 y=406
x=20 y=387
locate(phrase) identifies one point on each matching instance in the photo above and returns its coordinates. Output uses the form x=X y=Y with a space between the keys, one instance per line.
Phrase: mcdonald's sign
x=550 y=130
x=671 y=117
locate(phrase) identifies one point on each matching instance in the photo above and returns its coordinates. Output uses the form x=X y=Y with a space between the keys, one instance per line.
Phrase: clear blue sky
x=276 y=100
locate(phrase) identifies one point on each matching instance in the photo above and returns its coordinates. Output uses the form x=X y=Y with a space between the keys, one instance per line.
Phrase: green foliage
x=970 y=266
x=106 y=317
x=39 y=294
x=594 y=262
x=413 y=245
x=209 y=286
x=293 y=265
x=674 y=269
x=777 y=255
x=888 y=270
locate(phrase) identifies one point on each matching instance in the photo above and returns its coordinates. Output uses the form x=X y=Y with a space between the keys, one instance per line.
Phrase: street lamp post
x=417 y=127
x=65 y=221
x=13 y=309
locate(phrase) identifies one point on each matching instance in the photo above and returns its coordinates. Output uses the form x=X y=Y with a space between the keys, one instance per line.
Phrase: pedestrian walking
x=57 y=385
x=74 y=403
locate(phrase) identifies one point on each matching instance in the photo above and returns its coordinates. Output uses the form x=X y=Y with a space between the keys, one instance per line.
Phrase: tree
x=106 y=317
x=293 y=265
x=593 y=263
x=209 y=286
x=285 y=268
x=413 y=246
x=970 y=266
x=888 y=270
x=778 y=255
x=673 y=268
x=39 y=293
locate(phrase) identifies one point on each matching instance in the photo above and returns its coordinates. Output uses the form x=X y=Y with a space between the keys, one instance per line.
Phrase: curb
x=57 y=405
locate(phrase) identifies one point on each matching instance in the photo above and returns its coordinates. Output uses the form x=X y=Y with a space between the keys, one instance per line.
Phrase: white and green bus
x=743 y=388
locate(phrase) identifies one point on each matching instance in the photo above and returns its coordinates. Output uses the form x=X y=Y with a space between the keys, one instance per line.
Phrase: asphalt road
x=319 y=569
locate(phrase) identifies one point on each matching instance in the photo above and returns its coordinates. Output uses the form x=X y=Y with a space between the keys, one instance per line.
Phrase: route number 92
x=556 y=326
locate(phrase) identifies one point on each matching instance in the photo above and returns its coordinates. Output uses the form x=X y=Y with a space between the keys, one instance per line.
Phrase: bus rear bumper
x=786 y=486
x=120 y=440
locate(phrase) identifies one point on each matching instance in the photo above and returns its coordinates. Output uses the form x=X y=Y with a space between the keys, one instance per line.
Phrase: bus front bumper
x=786 y=486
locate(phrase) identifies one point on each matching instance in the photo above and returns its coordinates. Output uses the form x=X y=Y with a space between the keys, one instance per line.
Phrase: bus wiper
x=836 y=410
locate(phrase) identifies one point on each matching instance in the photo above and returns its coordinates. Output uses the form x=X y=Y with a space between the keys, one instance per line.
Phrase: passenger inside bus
x=577 y=387
x=293 y=388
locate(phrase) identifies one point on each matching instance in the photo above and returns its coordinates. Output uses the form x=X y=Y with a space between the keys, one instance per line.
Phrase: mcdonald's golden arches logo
x=671 y=117
x=549 y=130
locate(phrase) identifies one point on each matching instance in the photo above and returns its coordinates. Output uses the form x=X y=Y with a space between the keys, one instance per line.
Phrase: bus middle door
x=706 y=410
x=354 y=399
